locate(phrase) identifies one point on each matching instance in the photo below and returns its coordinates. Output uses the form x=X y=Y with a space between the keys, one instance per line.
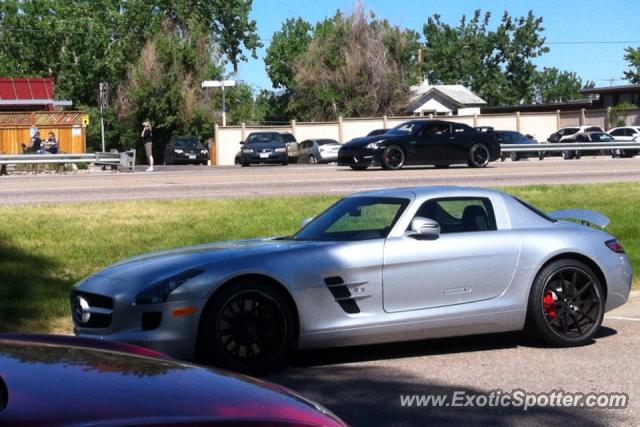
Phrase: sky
x=595 y=22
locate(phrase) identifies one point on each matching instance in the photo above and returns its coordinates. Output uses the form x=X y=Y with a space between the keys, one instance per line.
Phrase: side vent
x=342 y=295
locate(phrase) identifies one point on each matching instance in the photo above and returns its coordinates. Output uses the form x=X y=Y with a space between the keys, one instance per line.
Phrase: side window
x=460 y=214
x=617 y=132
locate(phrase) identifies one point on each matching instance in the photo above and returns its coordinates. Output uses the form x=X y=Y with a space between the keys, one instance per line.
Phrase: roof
x=458 y=94
x=29 y=93
x=612 y=89
x=436 y=190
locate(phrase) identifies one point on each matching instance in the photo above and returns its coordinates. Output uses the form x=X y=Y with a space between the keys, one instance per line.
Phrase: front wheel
x=312 y=159
x=514 y=156
x=393 y=158
x=566 y=304
x=478 y=156
x=248 y=327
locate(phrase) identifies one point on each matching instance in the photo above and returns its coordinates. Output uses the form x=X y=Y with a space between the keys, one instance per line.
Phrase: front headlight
x=160 y=291
x=204 y=151
x=178 y=151
x=280 y=150
x=247 y=150
x=374 y=146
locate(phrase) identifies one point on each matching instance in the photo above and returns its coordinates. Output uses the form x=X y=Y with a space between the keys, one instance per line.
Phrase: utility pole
x=222 y=84
x=104 y=103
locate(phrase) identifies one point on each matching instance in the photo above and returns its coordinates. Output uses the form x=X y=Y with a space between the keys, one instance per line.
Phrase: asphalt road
x=174 y=182
x=363 y=385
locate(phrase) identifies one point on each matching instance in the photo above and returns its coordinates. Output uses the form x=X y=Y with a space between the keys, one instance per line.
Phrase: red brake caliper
x=547 y=301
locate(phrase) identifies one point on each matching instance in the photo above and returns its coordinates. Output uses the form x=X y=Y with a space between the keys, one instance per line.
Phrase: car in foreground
x=594 y=136
x=185 y=150
x=319 y=150
x=626 y=134
x=422 y=142
x=263 y=148
x=57 y=381
x=379 y=266
x=513 y=137
x=565 y=133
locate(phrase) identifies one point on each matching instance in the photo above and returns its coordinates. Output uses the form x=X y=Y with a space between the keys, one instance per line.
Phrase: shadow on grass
x=29 y=288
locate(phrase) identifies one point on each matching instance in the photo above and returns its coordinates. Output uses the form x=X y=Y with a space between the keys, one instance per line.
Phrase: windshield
x=406 y=128
x=188 y=143
x=355 y=218
x=601 y=137
x=287 y=137
x=264 y=137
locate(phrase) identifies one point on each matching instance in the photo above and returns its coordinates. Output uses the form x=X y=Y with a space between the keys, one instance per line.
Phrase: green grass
x=45 y=249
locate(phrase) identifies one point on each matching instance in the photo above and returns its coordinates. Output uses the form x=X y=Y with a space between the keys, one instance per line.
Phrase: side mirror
x=425 y=227
x=305 y=222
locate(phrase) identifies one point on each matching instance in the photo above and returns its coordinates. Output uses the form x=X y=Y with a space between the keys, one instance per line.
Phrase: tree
x=632 y=56
x=496 y=64
x=287 y=45
x=553 y=85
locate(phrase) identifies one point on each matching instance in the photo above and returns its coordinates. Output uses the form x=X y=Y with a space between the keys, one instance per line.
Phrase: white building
x=443 y=100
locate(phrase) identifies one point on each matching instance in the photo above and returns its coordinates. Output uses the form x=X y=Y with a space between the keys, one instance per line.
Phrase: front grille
x=91 y=310
x=342 y=294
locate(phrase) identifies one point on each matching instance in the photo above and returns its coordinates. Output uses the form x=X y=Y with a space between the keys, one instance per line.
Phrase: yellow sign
x=85 y=120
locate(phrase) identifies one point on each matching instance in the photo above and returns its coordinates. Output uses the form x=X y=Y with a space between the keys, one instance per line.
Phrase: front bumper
x=358 y=158
x=257 y=158
x=174 y=335
x=190 y=157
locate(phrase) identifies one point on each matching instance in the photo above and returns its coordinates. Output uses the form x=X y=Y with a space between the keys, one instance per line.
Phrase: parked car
x=377 y=132
x=292 y=146
x=453 y=260
x=263 y=147
x=185 y=149
x=566 y=132
x=59 y=381
x=595 y=136
x=319 y=150
x=422 y=142
x=627 y=134
x=513 y=137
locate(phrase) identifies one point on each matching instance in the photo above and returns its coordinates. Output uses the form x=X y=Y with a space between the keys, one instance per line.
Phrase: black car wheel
x=514 y=156
x=567 y=155
x=478 y=156
x=566 y=304
x=248 y=327
x=312 y=159
x=393 y=158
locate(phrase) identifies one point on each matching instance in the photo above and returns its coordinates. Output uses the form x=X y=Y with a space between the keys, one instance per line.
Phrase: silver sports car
x=380 y=266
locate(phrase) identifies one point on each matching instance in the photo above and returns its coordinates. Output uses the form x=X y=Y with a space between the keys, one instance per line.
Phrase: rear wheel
x=393 y=158
x=514 y=156
x=478 y=156
x=566 y=304
x=312 y=159
x=248 y=327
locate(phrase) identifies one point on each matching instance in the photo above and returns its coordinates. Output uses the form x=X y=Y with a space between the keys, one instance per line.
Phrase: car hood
x=157 y=266
x=265 y=145
x=109 y=388
x=365 y=140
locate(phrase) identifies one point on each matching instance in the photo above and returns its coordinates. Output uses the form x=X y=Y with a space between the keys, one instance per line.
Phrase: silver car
x=319 y=151
x=380 y=266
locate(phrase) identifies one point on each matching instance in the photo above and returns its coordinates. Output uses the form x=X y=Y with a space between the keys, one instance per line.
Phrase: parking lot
x=176 y=182
x=363 y=385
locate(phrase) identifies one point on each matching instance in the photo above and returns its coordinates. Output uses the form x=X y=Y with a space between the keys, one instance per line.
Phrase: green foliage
x=553 y=85
x=632 y=56
x=619 y=113
x=496 y=64
x=287 y=45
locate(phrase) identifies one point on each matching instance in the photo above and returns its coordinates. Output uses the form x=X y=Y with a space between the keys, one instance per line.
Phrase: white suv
x=626 y=133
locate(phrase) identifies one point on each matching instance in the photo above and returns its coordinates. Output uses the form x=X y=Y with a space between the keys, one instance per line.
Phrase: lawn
x=45 y=249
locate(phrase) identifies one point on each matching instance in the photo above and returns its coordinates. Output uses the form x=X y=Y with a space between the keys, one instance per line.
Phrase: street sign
x=218 y=83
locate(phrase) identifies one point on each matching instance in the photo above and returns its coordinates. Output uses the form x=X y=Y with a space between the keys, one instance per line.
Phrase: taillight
x=615 y=246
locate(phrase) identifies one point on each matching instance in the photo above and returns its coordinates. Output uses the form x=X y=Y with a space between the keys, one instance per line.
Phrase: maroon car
x=62 y=381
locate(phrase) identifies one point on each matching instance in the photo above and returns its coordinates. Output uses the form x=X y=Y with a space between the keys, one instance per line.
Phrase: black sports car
x=422 y=142
x=185 y=149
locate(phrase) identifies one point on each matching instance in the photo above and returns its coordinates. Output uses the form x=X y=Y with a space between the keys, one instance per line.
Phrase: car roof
x=433 y=191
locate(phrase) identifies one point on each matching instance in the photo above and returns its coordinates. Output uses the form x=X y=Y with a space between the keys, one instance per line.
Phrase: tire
x=566 y=304
x=514 y=156
x=567 y=155
x=264 y=332
x=393 y=158
x=358 y=168
x=478 y=156
x=312 y=159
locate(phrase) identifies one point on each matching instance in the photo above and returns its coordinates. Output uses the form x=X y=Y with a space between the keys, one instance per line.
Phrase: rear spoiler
x=586 y=217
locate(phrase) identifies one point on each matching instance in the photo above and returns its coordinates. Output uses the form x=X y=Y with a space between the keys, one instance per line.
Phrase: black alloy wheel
x=478 y=156
x=249 y=328
x=393 y=158
x=566 y=305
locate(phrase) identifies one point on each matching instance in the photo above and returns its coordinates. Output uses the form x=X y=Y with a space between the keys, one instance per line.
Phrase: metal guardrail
x=125 y=159
x=568 y=146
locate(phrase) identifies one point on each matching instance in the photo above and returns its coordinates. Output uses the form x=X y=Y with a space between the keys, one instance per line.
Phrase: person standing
x=147 y=138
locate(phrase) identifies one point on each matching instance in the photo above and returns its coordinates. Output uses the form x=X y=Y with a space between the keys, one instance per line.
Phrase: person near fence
x=51 y=143
x=35 y=145
x=147 y=138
